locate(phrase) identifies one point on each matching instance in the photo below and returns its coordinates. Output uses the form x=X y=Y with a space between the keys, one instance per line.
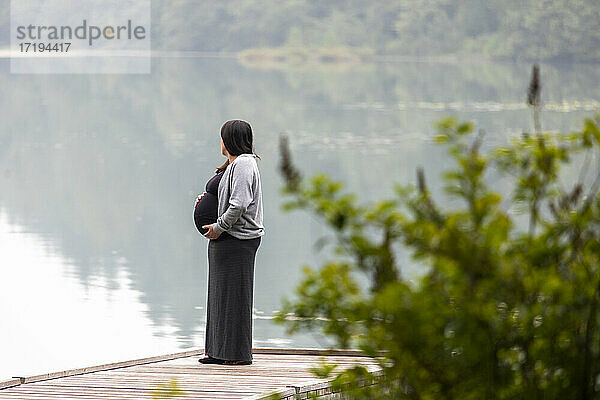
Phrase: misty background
x=100 y=260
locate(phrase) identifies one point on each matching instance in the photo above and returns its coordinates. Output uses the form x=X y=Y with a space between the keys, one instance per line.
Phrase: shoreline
x=272 y=57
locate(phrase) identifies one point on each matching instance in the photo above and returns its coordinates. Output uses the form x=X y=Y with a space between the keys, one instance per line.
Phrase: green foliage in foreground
x=501 y=312
x=168 y=390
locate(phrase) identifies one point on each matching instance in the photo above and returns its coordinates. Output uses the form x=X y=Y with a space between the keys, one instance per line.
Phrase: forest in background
x=550 y=30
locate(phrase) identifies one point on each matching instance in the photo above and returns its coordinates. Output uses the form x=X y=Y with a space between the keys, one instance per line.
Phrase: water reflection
x=99 y=174
x=52 y=321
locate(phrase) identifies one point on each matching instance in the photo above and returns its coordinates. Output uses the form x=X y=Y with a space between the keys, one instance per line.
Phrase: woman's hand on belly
x=205 y=211
x=199 y=198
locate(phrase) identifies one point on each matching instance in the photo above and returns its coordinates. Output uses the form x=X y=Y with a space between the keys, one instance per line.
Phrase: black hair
x=237 y=138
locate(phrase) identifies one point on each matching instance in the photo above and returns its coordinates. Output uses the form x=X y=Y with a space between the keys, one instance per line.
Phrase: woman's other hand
x=210 y=234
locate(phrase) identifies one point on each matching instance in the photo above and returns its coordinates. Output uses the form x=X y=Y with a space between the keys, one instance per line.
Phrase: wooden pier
x=273 y=370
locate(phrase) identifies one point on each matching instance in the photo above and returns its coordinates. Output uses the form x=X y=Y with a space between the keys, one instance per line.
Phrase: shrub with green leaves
x=503 y=309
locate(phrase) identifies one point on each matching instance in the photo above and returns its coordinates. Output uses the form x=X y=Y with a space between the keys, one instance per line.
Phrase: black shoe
x=211 y=360
x=239 y=362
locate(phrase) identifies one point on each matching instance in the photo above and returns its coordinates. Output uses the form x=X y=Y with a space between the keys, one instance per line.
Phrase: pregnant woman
x=234 y=234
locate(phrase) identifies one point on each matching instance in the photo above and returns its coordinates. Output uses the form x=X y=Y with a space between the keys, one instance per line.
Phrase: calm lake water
x=100 y=258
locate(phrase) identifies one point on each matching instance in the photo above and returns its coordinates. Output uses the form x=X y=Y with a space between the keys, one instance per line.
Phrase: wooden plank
x=309 y=351
x=284 y=371
x=104 y=367
x=242 y=385
x=283 y=393
x=129 y=395
x=273 y=368
x=146 y=360
x=302 y=390
x=9 y=383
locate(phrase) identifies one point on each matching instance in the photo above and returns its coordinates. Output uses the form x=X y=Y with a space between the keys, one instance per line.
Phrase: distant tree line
x=562 y=30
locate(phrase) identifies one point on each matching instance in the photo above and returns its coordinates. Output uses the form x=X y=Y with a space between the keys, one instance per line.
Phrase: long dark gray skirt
x=230 y=297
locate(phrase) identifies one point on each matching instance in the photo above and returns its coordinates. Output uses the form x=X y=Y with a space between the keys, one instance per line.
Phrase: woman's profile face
x=223 y=149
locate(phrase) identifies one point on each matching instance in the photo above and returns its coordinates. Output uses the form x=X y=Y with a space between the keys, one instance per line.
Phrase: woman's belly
x=205 y=212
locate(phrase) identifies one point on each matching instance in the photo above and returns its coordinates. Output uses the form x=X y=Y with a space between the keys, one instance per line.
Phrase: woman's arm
x=239 y=199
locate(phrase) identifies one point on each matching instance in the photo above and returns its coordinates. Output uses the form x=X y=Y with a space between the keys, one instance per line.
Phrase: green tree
x=504 y=309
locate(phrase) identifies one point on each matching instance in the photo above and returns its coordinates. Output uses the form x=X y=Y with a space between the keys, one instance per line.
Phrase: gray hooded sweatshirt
x=240 y=210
